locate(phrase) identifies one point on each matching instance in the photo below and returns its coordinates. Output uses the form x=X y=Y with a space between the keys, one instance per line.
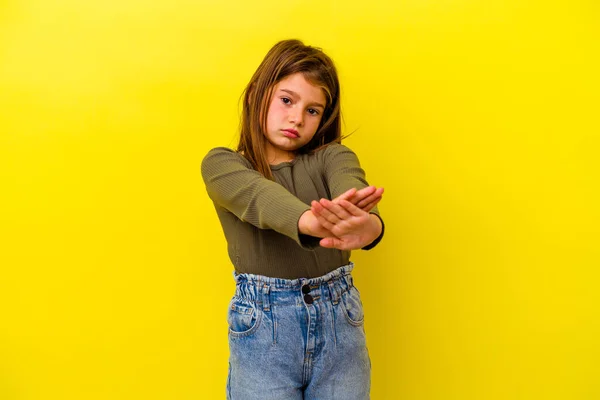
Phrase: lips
x=291 y=133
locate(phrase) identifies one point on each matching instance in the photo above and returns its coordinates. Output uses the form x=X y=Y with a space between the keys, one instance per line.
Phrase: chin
x=288 y=147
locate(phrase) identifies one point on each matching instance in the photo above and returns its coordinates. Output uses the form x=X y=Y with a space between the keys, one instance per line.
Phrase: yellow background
x=480 y=119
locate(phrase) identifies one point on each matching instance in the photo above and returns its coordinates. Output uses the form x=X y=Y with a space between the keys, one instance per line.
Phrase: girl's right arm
x=232 y=184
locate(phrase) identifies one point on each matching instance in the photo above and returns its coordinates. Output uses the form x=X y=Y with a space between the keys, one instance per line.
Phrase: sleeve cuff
x=376 y=241
x=306 y=242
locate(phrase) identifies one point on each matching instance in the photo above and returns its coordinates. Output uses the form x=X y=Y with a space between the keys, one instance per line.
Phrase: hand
x=352 y=228
x=365 y=199
x=309 y=224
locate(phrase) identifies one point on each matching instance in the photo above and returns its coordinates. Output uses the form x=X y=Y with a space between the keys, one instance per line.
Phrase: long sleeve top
x=260 y=216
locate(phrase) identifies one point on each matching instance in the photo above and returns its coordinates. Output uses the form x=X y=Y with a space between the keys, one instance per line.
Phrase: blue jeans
x=297 y=339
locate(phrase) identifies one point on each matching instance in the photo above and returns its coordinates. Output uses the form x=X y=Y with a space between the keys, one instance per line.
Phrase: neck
x=276 y=156
x=279 y=158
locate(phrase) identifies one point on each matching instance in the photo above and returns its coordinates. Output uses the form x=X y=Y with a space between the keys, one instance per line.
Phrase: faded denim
x=283 y=347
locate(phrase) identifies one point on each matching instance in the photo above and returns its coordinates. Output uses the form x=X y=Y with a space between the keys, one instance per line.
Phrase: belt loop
x=265 y=297
x=257 y=290
x=332 y=292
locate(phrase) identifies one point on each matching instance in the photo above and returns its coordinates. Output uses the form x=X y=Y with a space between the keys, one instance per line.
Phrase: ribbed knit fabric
x=260 y=217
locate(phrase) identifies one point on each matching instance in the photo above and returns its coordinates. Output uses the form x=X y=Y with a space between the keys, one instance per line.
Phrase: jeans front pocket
x=243 y=317
x=353 y=307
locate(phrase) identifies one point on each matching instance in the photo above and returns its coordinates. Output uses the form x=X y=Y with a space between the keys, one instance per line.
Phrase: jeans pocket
x=243 y=317
x=353 y=307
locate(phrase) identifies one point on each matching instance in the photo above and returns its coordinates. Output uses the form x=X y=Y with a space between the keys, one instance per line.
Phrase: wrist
x=377 y=224
x=380 y=230
x=304 y=222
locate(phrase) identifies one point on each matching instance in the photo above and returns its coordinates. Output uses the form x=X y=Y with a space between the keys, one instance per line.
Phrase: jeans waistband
x=268 y=290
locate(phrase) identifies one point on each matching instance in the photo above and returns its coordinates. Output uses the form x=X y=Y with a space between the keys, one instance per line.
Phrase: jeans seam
x=274 y=324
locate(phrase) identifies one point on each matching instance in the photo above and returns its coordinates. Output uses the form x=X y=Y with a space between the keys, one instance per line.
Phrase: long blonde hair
x=285 y=58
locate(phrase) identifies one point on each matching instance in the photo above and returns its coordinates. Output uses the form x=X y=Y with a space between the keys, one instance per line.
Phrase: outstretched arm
x=342 y=170
x=232 y=184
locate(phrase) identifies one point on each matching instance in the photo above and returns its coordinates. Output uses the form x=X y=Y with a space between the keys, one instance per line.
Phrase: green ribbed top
x=260 y=217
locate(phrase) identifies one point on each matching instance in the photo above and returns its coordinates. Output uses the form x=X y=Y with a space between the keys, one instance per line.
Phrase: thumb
x=331 y=243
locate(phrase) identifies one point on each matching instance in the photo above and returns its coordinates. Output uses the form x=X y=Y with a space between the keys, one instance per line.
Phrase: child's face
x=297 y=105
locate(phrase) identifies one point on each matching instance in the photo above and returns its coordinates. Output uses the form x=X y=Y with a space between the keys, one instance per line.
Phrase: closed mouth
x=291 y=132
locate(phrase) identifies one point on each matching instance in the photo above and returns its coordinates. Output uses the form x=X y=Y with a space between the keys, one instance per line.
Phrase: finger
x=318 y=210
x=362 y=194
x=371 y=205
x=327 y=243
x=368 y=206
x=333 y=243
x=352 y=209
x=347 y=195
x=376 y=194
x=336 y=209
x=327 y=214
x=366 y=201
x=316 y=206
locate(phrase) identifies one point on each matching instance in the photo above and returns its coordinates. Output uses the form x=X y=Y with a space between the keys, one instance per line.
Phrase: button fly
x=308 y=299
x=305 y=289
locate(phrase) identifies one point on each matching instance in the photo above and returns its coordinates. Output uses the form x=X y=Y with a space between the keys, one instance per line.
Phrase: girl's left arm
x=342 y=171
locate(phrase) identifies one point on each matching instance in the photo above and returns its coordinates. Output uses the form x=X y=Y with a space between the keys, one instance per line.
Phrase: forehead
x=298 y=84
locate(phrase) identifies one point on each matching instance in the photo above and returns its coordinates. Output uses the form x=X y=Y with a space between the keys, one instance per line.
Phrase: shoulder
x=336 y=149
x=219 y=154
x=220 y=159
x=336 y=153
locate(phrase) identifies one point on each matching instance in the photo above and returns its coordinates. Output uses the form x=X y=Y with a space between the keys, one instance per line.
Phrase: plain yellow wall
x=480 y=118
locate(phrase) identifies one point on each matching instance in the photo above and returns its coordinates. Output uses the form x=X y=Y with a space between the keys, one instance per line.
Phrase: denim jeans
x=297 y=339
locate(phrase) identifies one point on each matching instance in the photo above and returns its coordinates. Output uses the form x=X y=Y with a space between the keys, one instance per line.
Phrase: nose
x=295 y=115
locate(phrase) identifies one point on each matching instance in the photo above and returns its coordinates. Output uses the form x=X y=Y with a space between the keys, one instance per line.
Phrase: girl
x=293 y=202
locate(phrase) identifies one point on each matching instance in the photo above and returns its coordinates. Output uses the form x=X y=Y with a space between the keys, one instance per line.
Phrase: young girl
x=293 y=202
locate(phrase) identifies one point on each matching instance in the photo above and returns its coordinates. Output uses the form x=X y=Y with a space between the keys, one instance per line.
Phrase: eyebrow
x=296 y=95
